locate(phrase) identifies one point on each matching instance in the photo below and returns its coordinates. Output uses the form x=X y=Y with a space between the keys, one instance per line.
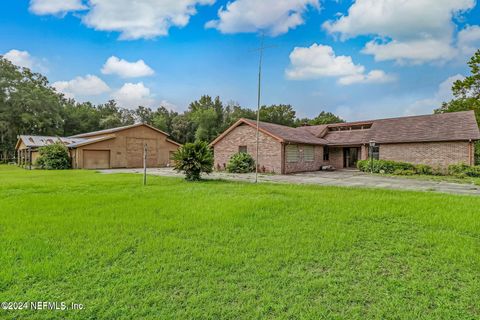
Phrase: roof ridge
x=404 y=117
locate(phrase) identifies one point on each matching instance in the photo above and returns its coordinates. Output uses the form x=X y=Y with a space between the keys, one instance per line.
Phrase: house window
x=326 y=153
x=375 y=152
x=308 y=153
x=292 y=154
x=242 y=149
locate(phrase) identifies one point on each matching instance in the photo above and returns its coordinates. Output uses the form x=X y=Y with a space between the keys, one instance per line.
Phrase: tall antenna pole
x=258 y=104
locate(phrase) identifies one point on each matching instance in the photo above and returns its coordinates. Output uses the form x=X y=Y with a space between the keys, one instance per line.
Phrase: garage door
x=96 y=159
x=135 y=148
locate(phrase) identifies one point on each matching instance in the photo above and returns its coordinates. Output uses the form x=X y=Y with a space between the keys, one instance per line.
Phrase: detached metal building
x=120 y=147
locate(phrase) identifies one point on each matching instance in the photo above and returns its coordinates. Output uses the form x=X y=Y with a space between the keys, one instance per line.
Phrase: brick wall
x=435 y=154
x=301 y=165
x=270 y=150
x=336 y=157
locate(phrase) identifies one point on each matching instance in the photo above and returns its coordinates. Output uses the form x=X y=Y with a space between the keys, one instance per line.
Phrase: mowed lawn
x=213 y=250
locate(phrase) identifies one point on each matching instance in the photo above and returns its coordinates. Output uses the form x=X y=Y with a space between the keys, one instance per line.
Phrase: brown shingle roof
x=455 y=126
x=288 y=134
x=277 y=131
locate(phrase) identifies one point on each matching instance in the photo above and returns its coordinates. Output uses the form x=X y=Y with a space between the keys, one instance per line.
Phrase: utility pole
x=145 y=164
x=261 y=49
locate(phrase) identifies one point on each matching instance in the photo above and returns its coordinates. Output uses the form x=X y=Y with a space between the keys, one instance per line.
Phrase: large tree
x=207 y=116
x=466 y=94
x=323 y=117
x=28 y=105
x=279 y=114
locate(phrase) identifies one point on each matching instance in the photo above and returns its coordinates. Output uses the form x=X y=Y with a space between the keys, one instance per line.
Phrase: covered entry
x=96 y=159
x=350 y=157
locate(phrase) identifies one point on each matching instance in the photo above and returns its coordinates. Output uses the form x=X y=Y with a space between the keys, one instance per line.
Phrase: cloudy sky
x=360 y=59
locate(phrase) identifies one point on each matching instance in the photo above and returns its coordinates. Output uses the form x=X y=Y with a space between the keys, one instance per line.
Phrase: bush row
x=394 y=167
x=404 y=168
x=463 y=170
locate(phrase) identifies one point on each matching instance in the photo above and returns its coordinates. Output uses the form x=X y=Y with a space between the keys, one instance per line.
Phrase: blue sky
x=360 y=59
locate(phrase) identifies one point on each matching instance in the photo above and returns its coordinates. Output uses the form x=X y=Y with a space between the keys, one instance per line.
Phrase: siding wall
x=159 y=153
x=301 y=165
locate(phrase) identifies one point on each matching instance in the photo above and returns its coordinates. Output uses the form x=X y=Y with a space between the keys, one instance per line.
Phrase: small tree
x=54 y=157
x=193 y=159
x=241 y=163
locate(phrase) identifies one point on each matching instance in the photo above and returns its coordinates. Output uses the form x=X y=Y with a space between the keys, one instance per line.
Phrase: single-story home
x=121 y=147
x=438 y=140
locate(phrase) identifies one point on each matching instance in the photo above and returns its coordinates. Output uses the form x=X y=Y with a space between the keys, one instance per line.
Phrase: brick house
x=437 y=140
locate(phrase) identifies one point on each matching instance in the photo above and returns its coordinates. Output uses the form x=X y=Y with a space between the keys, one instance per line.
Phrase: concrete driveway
x=343 y=178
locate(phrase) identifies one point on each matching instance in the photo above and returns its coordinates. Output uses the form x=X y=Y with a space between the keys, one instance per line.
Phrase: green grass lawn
x=216 y=249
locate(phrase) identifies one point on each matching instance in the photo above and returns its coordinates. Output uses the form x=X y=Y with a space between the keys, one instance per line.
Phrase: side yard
x=233 y=250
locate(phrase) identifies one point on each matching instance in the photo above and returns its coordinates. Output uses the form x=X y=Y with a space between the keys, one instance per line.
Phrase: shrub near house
x=241 y=162
x=54 y=157
x=193 y=159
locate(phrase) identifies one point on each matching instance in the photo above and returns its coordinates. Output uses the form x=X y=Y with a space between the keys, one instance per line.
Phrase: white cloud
x=469 y=40
x=132 y=95
x=414 y=51
x=20 y=58
x=141 y=19
x=443 y=94
x=272 y=16
x=409 y=30
x=374 y=76
x=126 y=69
x=89 y=85
x=318 y=61
x=43 y=7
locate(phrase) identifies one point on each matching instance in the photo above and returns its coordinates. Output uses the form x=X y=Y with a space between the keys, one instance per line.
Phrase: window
x=291 y=151
x=375 y=152
x=242 y=149
x=326 y=153
x=308 y=153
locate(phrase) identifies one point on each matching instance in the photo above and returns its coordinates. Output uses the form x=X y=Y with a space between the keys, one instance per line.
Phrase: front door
x=350 y=157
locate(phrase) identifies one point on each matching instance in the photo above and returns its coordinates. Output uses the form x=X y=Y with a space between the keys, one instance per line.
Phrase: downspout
x=282 y=157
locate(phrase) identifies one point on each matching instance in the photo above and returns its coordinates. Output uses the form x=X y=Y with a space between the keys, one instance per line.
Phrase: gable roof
x=41 y=141
x=113 y=130
x=85 y=142
x=278 y=132
x=455 y=126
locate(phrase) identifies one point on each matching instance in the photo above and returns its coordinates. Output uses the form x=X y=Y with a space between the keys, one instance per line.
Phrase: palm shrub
x=54 y=157
x=193 y=159
x=241 y=162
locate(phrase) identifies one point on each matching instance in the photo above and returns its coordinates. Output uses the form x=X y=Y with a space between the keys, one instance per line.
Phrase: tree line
x=29 y=105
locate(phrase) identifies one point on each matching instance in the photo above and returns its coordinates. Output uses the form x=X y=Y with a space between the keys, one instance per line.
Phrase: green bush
x=402 y=172
x=54 y=157
x=193 y=159
x=423 y=169
x=463 y=170
x=394 y=167
x=383 y=166
x=241 y=163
